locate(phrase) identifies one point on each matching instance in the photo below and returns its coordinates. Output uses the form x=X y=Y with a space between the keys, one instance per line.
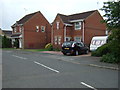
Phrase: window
x=77 y=25
x=20 y=29
x=78 y=39
x=15 y=29
x=58 y=24
x=59 y=40
x=55 y=39
x=43 y=28
x=37 y=28
x=80 y=44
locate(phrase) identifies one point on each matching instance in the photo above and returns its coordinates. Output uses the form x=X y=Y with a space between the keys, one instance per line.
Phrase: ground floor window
x=57 y=40
x=78 y=39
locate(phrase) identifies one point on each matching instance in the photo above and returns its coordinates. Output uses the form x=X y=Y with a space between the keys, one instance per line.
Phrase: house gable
x=94 y=27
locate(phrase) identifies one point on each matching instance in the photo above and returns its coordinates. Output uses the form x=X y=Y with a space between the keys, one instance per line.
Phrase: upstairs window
x=37 y=28
x=20 y=29
x=58 y=25
x=42 y=28
x=77 y=25
x=15 y=30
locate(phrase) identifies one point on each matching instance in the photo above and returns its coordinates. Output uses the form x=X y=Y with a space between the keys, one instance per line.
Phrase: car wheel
x=76 y=53
x=64 y=53
x=87 y=51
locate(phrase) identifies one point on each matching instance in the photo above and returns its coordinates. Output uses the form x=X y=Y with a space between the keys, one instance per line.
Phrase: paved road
x=23 y=69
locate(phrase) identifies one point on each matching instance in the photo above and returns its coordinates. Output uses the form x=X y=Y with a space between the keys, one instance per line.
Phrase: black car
x=74 y=48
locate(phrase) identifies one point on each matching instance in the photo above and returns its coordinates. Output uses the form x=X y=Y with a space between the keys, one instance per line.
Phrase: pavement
x=88 y=60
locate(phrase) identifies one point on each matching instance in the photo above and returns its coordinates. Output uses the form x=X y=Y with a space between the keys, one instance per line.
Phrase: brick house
x=77 y=27
x=7 y=33
x=32 y=31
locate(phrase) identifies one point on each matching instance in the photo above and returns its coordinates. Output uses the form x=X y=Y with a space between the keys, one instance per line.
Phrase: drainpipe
x=52 y=36
x=23 y=37
x=83 y=36
x=65 y=33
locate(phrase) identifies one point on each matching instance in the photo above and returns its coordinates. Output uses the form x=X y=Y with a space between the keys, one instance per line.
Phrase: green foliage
x=6 y=42
x=112 y=10
x=104 y=49
x=110 y=58
x=49 y=47
x=0 y=41
x=56 y=49
x=16 y=43
x=112 y=14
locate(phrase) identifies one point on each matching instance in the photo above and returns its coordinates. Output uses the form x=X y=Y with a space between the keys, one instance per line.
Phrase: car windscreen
x=68 y=44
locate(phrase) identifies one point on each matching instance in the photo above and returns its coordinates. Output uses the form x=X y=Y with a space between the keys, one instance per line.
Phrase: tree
x=16 y=43
x=6 y=42
x=112 y=14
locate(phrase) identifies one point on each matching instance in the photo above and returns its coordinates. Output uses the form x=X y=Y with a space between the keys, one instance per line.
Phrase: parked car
x=98 y=41
x=74 y=48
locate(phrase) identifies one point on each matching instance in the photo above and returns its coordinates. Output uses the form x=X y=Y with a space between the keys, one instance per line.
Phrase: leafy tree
x=6 y=42
x=112 y=14
x=16 y=43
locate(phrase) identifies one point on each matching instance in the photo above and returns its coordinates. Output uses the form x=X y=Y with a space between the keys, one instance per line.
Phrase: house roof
x=68 y=18
x=25 y=18
x=7 y=33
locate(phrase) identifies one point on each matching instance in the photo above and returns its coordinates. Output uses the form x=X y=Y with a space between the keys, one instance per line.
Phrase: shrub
x=57 y=49
x=16 y=43
x=49 y=47
x=110 y=58
x=6 y=42
x=104 y=49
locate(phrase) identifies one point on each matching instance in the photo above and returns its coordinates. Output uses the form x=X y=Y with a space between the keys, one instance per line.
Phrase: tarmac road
x=25 y=69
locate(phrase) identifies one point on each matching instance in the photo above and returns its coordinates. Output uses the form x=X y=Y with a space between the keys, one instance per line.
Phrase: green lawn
x=35 y=50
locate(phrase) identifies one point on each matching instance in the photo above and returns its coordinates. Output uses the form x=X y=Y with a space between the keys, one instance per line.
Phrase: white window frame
x=15 y=30
x=42 y=28
x=78 y=25
x=58 y=25
x=37 y=28
x=20 y=29
x=55 y=40
x=59 y=40
x=79 y=40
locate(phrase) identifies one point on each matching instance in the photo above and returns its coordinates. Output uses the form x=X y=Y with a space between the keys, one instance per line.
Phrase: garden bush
x=49 y=47
x=110 y=58
x=104 y=49
x=6 y=42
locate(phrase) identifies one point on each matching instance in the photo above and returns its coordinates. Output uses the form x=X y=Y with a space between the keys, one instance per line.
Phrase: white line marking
x=46 y=67
x=88 y=86
x=19 y=57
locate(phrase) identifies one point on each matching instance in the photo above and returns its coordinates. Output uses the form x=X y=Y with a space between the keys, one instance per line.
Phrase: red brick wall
x=59 y=32
x=33 y=39
x=94 y=27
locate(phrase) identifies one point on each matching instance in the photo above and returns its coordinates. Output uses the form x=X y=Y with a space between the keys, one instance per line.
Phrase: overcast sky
x=13 y=10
